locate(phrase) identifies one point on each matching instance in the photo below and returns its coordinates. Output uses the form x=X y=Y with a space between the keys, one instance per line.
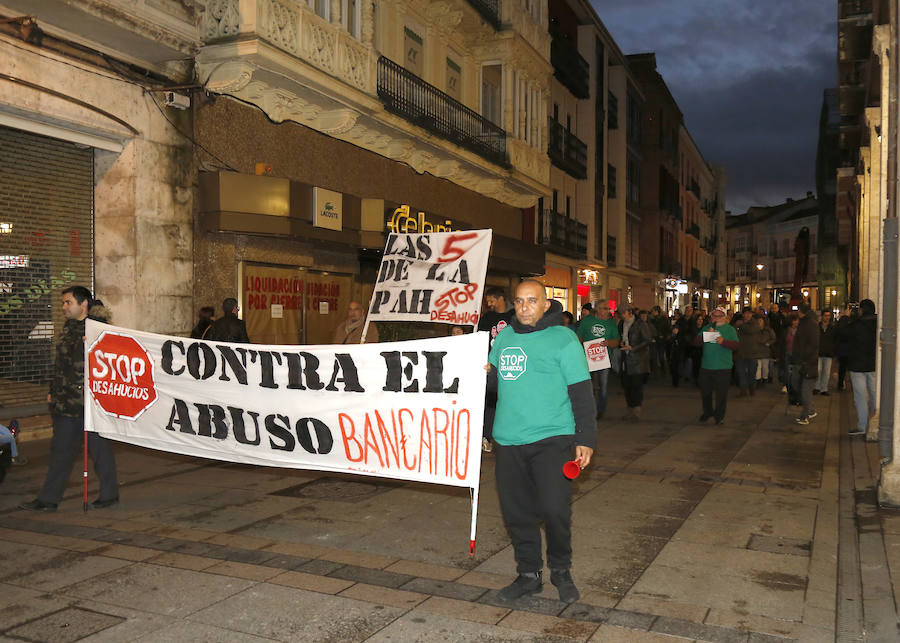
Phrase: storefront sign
x=402 y=221
x=432 y=277
x=327 y=209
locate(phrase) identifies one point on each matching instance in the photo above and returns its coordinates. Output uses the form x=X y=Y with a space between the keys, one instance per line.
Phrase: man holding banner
x=545 y=411
x=66 y=400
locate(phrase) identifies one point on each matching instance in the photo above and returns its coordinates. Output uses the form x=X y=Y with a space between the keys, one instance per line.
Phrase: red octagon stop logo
x=120 y=376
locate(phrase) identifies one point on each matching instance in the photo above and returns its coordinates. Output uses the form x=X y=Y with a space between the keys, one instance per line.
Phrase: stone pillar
x=144 y=246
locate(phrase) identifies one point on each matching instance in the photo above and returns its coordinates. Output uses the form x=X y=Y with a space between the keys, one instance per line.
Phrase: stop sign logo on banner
x=120 y=376
x=597 y=354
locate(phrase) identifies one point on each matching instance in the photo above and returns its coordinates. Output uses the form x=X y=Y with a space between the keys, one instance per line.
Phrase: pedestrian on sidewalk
x=767 y=362
x=751 y=348
x=718 y=340
x=663 y=327
x=545 y=412
x=806 y=360
x=636 y=335
x=862 y=337
x=599 y=325
x=66 y=400
x=497 y=316
x=826 y=352
x=228 y=328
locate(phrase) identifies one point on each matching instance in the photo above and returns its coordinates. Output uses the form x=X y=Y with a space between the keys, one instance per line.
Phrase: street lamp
x=759 y=269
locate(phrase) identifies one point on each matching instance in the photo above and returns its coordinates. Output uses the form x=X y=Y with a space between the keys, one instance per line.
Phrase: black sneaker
x=562 y=579
x=704 y=418
x=524 y=585
x=104 y=504
x=38 y=505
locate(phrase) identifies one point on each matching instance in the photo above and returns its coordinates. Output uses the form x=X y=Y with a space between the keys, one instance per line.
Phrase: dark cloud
x=748 y=77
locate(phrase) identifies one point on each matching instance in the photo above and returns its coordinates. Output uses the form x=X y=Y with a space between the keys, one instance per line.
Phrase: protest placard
x=597 y=354
x=432 y=277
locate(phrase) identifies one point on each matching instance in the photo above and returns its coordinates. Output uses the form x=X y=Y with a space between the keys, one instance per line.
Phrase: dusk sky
x=748 y=77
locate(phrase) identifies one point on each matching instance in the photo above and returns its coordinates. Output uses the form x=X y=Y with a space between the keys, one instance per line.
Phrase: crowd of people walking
x=803 y=352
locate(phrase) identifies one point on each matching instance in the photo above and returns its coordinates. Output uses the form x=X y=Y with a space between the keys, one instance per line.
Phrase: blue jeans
x=863 y=383
x=746 y=372
x=824 y=374
x=601 y=381
x=6 y=436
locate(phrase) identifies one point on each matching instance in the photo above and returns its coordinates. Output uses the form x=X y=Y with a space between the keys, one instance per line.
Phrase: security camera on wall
x=176 y=100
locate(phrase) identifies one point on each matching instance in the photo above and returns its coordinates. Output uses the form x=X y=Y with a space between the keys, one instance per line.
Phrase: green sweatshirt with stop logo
x=534 y=372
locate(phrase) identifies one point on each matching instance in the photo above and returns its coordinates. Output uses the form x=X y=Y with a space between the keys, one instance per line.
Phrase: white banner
x=436 y=277
x=406 y=410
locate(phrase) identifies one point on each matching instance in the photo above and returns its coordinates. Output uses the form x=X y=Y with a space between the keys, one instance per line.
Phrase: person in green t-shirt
x=600 y=326
x=719 y=340
x=544 y=414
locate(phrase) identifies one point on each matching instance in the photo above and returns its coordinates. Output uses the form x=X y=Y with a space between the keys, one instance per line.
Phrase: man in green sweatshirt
x=719 y=340
x=545 y=416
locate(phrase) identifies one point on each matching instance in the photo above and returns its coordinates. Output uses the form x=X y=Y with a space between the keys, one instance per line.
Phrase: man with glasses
x=228 y=328
x=719 y=340
x=602 y=327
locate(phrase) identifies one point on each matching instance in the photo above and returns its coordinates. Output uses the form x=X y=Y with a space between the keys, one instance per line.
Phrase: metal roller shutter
x=46 y=244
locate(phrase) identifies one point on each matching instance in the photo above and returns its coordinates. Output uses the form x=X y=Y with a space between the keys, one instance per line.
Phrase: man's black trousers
x=533 y=489
x=714 y=382
x=68 y=440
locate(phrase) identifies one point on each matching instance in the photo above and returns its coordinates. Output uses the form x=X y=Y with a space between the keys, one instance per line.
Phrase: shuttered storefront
x=46 y=244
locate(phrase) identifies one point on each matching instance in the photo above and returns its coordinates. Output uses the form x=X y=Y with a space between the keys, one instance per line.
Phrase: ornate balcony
x=562 y=234
x=489 y=10
x=283 y=58
x=407 y=95
x=566 y=151
x=570 y=68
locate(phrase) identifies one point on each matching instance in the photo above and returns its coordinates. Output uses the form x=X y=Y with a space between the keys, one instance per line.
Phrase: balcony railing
x=422 y=104
x=695 y=189
x=674 y=211
x=568 y=65
x=566 y=151
x=670 y=267
x=694 y=231
x=489 y=10
x=854 y=8
x=561 y=233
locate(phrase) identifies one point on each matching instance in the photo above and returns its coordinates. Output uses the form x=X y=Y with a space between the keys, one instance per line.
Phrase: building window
x=612 y=108
x=413 y=46
x=491 y=82
x=611 y=181
x=323 y=8
x=633 y=180
x=633 y=242
x=633 y=119
x=454 y=79
x=350 y=16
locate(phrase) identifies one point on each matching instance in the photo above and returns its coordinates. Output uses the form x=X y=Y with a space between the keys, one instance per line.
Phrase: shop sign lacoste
x=327 y=209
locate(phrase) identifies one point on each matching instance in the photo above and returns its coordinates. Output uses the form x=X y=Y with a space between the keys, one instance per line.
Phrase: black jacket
x=228 y=328
x=806 y=345
x=862 y=338
x=827 y=339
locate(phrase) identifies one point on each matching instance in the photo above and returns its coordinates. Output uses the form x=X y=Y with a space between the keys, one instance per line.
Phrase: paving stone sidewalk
x=755 y=530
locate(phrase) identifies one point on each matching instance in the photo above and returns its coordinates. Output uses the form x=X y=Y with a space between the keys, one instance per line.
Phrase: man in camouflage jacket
x=66 y=401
